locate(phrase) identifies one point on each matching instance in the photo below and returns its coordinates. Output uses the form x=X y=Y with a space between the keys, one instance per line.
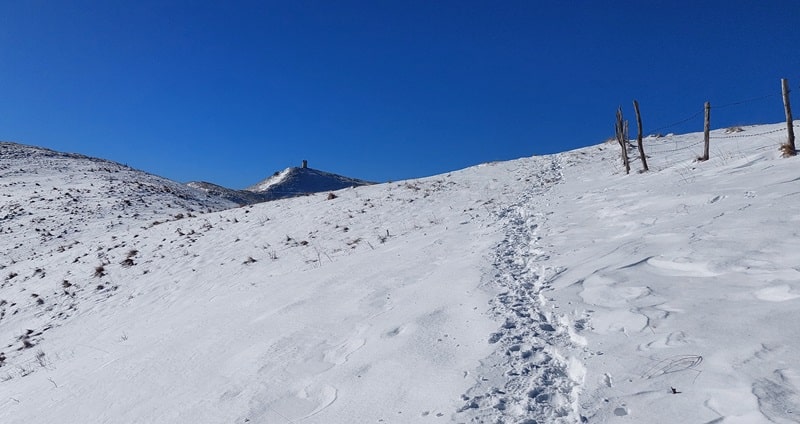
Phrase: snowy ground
x=546 y=289
x=687 y=278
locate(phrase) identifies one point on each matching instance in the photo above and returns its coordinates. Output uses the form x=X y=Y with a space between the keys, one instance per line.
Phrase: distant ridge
x=97 y=188
x=117 y=184
x=241 y=197
x=291 y=182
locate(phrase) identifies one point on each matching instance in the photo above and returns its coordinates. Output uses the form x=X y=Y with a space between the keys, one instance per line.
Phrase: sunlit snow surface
x=546 y=289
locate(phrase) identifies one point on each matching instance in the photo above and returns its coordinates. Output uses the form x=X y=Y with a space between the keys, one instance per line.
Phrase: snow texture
x=550 y=289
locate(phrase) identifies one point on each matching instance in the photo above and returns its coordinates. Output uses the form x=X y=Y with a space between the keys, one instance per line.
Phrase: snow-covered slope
x=683 y=285
x=262 y=312
x=548 y=289
x=53 y=208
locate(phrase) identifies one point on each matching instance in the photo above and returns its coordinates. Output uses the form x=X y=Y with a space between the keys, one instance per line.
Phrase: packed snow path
x=527 y=379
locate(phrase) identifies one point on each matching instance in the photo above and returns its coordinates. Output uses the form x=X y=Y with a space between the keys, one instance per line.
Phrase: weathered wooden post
x=639 y=137
x=706 y=130
x=621 y=133
x=788 y=149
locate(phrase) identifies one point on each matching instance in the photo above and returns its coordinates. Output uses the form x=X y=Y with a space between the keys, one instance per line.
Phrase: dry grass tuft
x=787 y=150
x=99 y=271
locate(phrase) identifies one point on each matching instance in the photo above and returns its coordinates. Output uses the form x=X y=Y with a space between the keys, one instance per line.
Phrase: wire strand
x=746 y=101
x=680 y=122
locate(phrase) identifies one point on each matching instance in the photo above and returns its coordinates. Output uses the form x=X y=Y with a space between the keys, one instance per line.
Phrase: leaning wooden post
x=621 y=133
x=706 y=130
x=639 y=137
x=788 y=148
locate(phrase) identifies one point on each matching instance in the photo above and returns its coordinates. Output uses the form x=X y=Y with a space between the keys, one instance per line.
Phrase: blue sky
x=230 y=92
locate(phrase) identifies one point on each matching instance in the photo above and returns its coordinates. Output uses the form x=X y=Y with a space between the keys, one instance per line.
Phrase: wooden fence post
x=621 y=130
x=706 y=130
x=639 y=137
x=788 y=149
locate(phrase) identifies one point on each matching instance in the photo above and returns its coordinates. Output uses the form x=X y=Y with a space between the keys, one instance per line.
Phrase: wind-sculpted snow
x=684 y=283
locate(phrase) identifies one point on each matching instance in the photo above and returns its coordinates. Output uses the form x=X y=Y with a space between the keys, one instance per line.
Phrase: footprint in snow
x=780 y=293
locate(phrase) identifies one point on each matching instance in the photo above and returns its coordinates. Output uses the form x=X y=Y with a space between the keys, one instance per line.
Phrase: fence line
x=700 y=112
x=748 y=135
x=665 y=151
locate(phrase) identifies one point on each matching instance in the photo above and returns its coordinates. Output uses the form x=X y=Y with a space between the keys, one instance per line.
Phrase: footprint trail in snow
x=528 y=378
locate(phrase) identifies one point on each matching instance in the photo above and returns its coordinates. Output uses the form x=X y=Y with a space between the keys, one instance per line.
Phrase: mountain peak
x=295 y=181
x=291 y=182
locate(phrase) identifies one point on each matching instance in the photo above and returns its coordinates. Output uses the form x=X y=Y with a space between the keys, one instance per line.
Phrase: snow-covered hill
x=53 y=206
x=291 y=182
x=296 y=181
x=548 y=289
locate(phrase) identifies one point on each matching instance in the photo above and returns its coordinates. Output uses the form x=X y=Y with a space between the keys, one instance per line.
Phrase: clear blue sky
x=229 y=92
